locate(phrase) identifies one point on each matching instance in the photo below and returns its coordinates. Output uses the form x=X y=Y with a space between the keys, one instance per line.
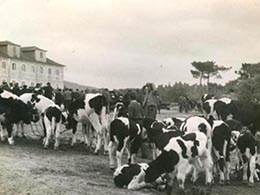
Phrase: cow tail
x=104 y=117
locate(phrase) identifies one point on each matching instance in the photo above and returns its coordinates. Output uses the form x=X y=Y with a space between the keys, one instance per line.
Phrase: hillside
x=72 y=85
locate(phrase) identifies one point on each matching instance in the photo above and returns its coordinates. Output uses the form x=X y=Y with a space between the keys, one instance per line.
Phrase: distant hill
x=72 y=85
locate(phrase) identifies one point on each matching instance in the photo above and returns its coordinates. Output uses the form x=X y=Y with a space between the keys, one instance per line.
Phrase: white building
x=28 y=66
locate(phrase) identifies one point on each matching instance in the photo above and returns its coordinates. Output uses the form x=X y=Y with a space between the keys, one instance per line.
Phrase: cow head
x=164 y=163
x=27 y=112
x=70 y=122
x=35 y=99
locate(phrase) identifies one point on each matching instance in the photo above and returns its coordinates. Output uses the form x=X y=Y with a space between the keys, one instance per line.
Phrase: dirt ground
x=28 y=169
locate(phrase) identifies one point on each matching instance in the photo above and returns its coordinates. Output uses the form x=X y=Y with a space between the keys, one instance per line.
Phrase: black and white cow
x=158 y=134
x=247 y=155
x=206 y=97
x=132 y=177
x=221 y=137
x=51 y=116
x=182 y=155
x=198 y=123
x=89 y=109
x=13 y=111
x=119 y=110
x=247 y=113
x=173 y=122
x=7 y=94
x=124 y=134
x=217 y=108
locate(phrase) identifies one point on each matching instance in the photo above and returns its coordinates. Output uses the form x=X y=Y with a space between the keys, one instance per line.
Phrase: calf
x=179 y=157
x=51 y=116
x=217 y=108
x=124 y=134
x=119 y=110
x=132 y=177
x=221 y=136
x=198 y=123
x=89 y=109
x=13 y=111
x=158 y=135
x=247 y=154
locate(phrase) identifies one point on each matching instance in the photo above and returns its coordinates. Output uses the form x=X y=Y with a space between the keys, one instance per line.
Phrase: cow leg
x=245 y=167
x=120 y=149
x=228 y=168
x=57 y=135
x=94 y=120
x=44 y=130
x=154 y=151
x=105 y=137
x=208 y=165
x=252 y=163
x=170 y=179
x=48 y=132
x=2 y=132
x=134 y=147
x=9 y=129
x=112 y=154
x=74 y=130
x=85 y=134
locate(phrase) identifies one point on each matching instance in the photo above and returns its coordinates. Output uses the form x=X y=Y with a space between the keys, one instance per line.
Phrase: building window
x=23 y=68
x=41 y=69
x=4 y=65
x=13 y=66
x=33 y=69
x=41 y=55
x=49 y=71
x=57 y=72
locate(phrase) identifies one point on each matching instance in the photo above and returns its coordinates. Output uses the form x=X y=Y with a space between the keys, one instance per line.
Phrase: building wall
x=30 y=73
x=38 y=57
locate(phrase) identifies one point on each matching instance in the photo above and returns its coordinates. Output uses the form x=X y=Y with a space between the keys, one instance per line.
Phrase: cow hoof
x=228 y=182
x=96 y=152
x=112 y=168
x=56 y=147
x=244 y=181
x=106 y=153
x=45 y=146
x=250 y=184
x=221 y=182
x=11 y=141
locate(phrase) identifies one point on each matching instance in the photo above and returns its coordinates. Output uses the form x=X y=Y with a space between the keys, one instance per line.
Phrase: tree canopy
x=207 y=69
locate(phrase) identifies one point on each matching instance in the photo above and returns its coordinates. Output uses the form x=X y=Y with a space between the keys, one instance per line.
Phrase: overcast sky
x=126 y=43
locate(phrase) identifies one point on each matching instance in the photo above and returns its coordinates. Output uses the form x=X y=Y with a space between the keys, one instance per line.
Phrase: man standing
x=150 y=101
x=135 y=110
x=48 y=91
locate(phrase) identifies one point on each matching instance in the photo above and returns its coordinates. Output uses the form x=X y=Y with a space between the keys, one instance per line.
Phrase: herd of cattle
x=180 y=146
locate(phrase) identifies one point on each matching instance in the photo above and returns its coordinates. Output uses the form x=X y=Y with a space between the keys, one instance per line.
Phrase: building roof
x=26 y=58
x=7 y=43
x=31 y=48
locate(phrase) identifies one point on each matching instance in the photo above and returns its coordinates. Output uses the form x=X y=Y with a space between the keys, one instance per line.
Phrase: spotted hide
x=180 y=156
x=132 y=177
x=90 y=110
x=124 y=134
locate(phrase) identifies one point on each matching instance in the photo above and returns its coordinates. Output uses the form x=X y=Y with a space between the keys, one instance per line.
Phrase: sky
x=127 y=43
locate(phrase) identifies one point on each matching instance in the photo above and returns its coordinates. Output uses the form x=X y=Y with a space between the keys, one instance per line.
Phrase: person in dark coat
x=48 y=91
x=59 y=97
